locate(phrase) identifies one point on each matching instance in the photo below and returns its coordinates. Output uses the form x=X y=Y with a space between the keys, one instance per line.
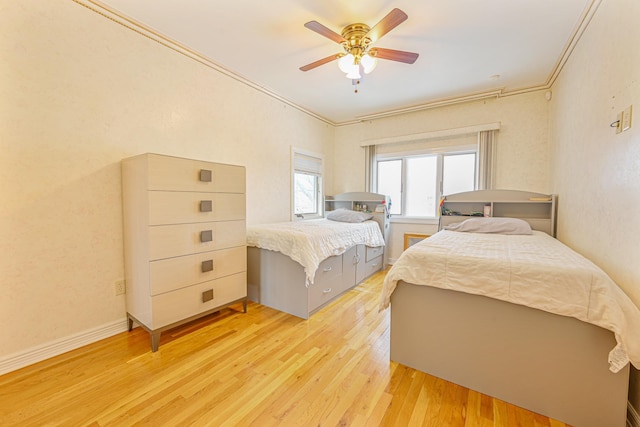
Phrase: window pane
x=458 y=173
x=390 y=183
x=421 y=186
x=305 y=197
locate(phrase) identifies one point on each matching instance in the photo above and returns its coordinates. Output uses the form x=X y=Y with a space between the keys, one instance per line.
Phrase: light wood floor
x=262 y=368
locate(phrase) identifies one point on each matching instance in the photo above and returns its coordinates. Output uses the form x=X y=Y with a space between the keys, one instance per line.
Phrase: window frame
x=307 y=163
x=440 y=153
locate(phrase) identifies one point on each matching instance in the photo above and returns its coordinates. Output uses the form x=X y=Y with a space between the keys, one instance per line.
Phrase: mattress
x=533 y=270
x=310 y=242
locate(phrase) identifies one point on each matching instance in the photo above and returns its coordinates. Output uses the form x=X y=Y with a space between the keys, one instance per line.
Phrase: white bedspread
x=533 y=270
x=310 y=242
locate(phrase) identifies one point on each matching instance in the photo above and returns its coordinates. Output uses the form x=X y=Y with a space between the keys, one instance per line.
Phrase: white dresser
x=184 y=240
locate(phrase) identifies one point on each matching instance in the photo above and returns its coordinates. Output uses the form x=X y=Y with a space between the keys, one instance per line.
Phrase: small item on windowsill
x=540 y=199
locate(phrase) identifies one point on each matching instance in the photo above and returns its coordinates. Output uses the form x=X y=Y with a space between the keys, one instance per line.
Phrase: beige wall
x=596 y=173
x=78 y=93
x=522 y=155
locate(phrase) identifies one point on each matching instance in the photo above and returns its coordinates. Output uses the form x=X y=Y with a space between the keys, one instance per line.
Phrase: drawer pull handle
x=206 y=206
x=207 y=295
x=207 y=265
x=326 y=291
x=205 y=175
x=327 y=269
x=206 y=236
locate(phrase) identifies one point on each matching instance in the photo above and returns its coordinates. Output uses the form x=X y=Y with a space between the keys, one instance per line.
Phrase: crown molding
x=584 y=21
x=141 y=29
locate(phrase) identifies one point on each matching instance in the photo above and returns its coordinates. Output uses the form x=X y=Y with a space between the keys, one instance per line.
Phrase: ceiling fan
x=356 y=40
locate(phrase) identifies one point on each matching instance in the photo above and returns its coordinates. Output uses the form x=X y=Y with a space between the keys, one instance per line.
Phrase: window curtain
x=370 y=168
x=486 y=159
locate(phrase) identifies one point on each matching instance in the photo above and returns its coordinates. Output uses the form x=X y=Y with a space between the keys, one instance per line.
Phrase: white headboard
x=539 y=210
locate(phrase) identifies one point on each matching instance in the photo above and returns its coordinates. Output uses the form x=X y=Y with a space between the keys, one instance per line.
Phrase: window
x=305 y=189
x=306 y=195
x=415 y=183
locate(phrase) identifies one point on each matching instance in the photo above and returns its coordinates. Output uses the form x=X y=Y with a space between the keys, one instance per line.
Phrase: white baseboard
x=54 y=348
x=633 y=419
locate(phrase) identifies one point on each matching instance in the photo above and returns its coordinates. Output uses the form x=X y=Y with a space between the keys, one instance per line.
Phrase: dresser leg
x=155 y=340
x=129 y=324
x=244 y=305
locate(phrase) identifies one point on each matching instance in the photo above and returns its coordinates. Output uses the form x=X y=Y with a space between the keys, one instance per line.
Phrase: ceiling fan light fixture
x=354 y=73
x=359 y=57
x=368 y=63
x=346 y=63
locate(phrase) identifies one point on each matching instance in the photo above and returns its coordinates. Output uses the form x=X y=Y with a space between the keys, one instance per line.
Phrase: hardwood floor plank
x=260 y=368
x=500 y=415
x=437 y=390
x=418 y=409
x=398 y=387
x=479 y=410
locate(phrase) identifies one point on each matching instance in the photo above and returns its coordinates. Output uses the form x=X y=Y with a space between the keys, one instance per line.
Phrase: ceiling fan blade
x=324 y=31
x=386 y=24
x=319 y=62
x=394 y=55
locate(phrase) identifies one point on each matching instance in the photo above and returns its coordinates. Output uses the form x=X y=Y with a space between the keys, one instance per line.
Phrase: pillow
x=345 y=215
x=492 y=225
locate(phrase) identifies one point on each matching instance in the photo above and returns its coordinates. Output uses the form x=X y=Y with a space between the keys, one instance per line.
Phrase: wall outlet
x=121 y=287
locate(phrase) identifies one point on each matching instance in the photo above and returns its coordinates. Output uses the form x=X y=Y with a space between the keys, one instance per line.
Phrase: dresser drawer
x=177 y=174
x=329 y=269
x=167 y=241
x=372 y=253
x=180 y=304
x=174 y=273
x=321 y=293
x=170 y=207
x=327 y=282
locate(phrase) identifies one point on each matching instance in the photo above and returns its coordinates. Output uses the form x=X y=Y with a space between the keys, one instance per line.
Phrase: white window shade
x=437 y=134
x=305 y=162
x=460 y=142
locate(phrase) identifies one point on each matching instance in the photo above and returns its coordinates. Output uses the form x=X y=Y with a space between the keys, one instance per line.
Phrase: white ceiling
x=461 y=43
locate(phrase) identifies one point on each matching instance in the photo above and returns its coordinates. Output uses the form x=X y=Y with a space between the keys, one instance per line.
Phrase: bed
x=519 y=317
x=299 y=267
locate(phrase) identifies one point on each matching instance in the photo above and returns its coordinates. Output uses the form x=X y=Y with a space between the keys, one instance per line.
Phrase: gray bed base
x=275 y=280
x=550 y=364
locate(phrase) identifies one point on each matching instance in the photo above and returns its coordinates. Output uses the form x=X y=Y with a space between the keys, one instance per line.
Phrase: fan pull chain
x=355 y=82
